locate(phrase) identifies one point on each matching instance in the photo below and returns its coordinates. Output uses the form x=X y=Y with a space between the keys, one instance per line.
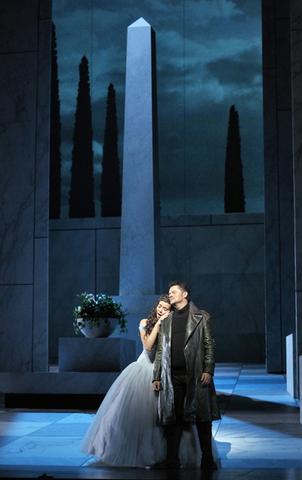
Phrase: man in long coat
x=183 y=375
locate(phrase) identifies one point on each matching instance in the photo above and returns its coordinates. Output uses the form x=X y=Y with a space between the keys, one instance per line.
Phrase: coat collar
x=195 y=317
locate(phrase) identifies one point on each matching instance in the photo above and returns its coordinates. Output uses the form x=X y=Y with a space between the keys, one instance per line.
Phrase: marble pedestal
x=95 y=354
x=64 y=383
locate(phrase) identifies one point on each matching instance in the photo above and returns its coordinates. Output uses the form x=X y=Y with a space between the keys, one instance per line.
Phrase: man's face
x=177 y=295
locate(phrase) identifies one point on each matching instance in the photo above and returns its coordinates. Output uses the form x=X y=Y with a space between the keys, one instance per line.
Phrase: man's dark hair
x=184 y=287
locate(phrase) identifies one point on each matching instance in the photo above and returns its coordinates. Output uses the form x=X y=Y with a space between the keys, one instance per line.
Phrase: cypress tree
x=55 y=136
x=110 y=183
x=234 y=199
x=81 y=197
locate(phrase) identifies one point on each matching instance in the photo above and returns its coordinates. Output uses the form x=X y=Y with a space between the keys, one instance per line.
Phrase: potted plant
x=98 y=315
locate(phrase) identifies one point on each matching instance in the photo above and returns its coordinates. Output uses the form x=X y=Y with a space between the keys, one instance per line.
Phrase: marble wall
x=221 y=257
x=25 y=41
x=296 y=55
x=279 y=196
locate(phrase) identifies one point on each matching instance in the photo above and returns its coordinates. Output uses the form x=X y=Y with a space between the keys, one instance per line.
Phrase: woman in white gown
x=124 y=430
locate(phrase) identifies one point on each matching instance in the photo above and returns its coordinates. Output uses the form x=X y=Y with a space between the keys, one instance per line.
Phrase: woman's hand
x=163 y=317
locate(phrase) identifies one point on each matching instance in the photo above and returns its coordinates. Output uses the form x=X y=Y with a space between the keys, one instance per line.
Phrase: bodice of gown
x=151 y=353
x=147 y=356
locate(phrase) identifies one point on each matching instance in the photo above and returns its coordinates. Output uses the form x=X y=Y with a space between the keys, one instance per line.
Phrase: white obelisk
x=140 y=272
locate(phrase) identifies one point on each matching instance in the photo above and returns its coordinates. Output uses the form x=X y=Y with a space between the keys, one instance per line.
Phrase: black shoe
x=166 y=464
x=208 y=465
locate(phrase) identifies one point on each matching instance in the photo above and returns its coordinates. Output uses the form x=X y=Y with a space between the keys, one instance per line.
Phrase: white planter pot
x=104 y=328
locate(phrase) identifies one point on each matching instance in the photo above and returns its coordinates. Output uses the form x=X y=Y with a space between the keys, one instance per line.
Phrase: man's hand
x=206 y=379
x=156 y=386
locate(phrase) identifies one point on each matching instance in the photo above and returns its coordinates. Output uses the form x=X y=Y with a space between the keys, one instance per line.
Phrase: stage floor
x=259 y=436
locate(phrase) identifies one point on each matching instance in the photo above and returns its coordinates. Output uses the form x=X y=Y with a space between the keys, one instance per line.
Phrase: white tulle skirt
x=124 y=431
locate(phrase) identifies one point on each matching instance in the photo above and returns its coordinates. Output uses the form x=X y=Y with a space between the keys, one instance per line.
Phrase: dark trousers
x=174 y=432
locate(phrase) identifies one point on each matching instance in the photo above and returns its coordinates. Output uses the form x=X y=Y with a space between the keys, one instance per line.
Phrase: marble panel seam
x=19 y=52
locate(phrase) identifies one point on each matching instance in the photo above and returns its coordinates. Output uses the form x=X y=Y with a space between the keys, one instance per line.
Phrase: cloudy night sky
x=208 y=59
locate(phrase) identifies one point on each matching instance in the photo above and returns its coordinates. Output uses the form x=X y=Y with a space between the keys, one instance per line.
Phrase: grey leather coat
x=199 y=350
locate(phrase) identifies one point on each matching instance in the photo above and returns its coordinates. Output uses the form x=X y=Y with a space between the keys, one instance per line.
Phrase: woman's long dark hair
x=152 y=318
